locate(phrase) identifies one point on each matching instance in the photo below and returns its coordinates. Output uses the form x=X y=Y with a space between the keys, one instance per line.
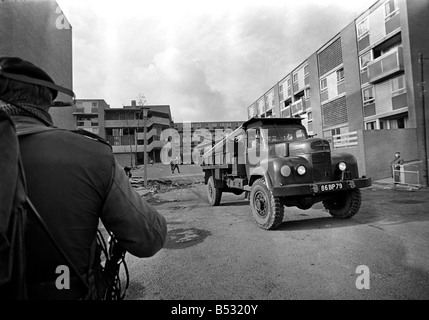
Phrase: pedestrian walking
x=127 y=170
x=176 y=164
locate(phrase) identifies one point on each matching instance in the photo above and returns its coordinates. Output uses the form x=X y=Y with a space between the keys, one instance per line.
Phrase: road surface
x=219 y=253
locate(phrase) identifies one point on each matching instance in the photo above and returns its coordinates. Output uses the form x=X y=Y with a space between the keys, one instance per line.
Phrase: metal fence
x=406 y=175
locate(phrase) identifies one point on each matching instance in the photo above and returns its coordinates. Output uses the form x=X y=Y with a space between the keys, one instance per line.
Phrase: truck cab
x=277 y=165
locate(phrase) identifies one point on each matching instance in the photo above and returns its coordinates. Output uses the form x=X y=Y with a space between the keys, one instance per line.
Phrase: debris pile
x=158 y=185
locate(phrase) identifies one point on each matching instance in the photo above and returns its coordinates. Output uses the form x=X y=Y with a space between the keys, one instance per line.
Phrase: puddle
x=184 y=238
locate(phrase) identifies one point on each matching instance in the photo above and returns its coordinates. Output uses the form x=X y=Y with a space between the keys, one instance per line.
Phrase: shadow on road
x=316 y=223
x=235 y=204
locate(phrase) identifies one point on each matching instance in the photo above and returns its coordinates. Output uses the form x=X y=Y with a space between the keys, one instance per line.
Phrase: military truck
x=275 y=163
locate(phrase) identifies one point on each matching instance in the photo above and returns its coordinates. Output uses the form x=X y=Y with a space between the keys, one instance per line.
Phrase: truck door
x=256 y=151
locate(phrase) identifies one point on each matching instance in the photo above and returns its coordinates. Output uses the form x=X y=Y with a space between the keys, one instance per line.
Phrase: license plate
x=331 y=186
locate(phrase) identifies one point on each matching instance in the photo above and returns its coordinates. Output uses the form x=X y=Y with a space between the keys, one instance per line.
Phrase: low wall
x=380 y=146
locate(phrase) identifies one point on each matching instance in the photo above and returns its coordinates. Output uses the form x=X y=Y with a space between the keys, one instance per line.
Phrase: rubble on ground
x=158 y=185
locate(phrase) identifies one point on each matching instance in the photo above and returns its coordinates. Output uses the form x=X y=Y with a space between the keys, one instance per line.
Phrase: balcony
x=298 y=107
x=82 y=110
x=78 y=110
x=386 y=65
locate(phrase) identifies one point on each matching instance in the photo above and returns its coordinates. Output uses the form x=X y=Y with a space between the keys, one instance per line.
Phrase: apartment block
x=123 y=128
x=89 y=115
x=362 y=86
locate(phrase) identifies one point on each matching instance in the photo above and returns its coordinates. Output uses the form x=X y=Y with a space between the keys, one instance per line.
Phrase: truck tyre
x=267 y=210
x=344 y=205
x=214 y=194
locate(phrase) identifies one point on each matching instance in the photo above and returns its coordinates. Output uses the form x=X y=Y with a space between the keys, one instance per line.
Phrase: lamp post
x=144 y=111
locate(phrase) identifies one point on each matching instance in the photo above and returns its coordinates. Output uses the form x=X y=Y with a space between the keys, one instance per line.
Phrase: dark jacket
x=74 y=181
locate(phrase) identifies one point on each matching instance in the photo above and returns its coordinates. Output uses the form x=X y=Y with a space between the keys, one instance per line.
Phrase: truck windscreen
x=277 y=134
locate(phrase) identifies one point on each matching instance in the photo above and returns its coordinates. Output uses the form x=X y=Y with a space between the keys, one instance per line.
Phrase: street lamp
x=144 y=111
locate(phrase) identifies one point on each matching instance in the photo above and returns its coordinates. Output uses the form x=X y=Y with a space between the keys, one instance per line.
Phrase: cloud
x=174 y=77
x=207 y=60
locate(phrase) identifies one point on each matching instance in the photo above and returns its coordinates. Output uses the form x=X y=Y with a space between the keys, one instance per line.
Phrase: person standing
x=395 y=166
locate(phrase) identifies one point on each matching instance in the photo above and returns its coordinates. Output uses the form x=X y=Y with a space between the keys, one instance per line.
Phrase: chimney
x=133 y=104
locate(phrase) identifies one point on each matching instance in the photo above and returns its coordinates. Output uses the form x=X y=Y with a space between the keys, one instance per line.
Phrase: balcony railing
x=345 y=140
x=386 y=65
x=298 y=107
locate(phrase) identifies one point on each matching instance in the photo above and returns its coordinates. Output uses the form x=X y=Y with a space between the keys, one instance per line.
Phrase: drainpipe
x=422 y=97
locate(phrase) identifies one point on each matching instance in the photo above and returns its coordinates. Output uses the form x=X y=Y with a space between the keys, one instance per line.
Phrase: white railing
x=345 y=140
x=406 y=175
x=298 y=106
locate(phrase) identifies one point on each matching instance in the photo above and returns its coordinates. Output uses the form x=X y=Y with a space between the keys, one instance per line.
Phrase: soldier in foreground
x=73 y=182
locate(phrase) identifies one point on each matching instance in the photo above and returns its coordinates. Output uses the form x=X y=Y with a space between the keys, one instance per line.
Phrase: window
x=198 y=125
x=370 y=125
x=306 y=70
x=252 y=112
x=323 y=84
x=94 y=104
x=364 y=60
x=288 y=82
x=390 y=49
x=390 y=9
x=310 y=116
x=362 y=28
x=307 y=93
x=295 y=77
x=335 y=131
x=261 y=105
x=398 y=85
x=281 y=88
x=340 y=75
x=368 y=95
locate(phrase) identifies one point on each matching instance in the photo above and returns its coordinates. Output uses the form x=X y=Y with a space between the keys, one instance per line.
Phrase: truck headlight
x=301 y=170
x=285 y=171
x=342 y=166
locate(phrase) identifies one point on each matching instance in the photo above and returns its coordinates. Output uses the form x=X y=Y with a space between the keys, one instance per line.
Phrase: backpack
x=103 y=279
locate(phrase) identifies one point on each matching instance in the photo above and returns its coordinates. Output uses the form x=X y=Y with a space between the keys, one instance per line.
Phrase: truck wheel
x=214 y=194
x=344 y=205
x=267 y=210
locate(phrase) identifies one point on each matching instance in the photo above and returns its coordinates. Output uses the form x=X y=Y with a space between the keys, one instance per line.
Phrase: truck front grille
x=321 y=166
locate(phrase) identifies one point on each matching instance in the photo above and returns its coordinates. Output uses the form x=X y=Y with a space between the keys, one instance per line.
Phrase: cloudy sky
x=208 y=60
